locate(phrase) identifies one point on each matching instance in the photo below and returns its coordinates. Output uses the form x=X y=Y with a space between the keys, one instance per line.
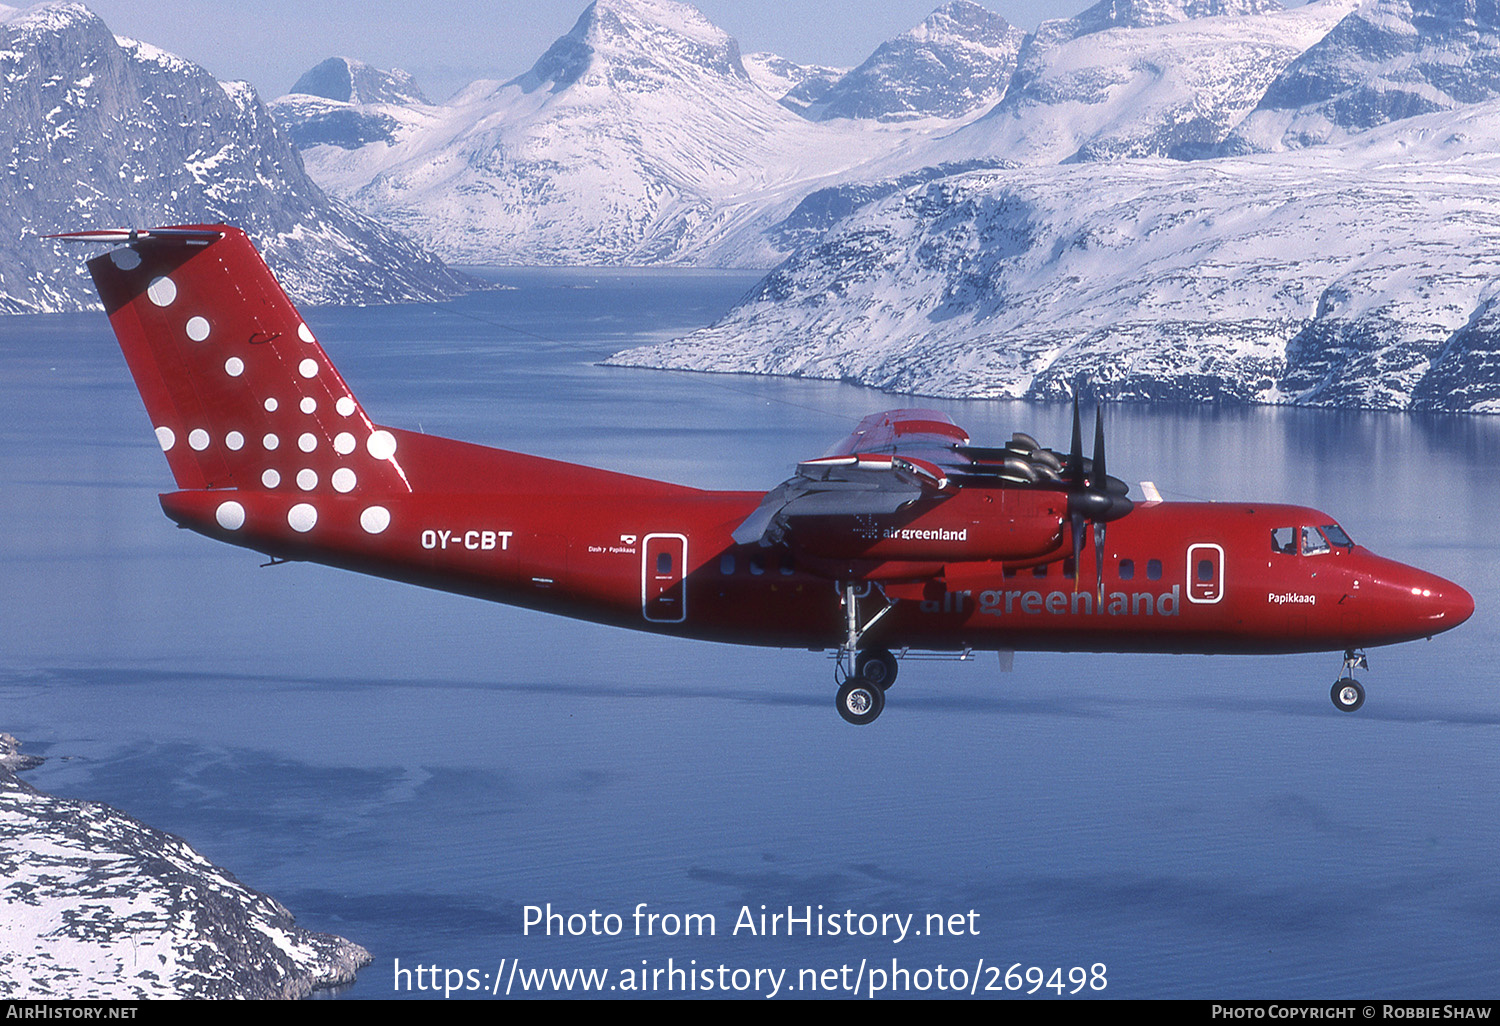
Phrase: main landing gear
x=863 y=674
x=1348 y=694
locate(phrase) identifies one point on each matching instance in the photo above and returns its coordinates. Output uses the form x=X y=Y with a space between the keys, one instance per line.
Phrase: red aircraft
x=904 y=537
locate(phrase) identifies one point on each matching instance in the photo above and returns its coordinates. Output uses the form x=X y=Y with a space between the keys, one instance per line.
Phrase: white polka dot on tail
x=302 y=517
x=381 y=444
x=375 y=519
x=162 y=291
x=230 y=515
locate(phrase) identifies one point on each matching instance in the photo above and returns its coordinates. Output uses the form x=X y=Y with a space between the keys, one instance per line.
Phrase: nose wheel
x=1348 y=694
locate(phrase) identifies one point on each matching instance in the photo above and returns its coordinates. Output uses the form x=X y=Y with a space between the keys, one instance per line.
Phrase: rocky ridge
x=105 y=132
x=98 y=906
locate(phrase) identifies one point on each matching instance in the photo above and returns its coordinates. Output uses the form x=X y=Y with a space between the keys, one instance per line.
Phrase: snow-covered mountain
x=351 y=81
x=1390 y=59
x=957 y=62
x=639 y=137
x=104 y=131
x=338 y=103
x=1360 y=275
x=781 y=78
x=96 y=905
x=1148 y=78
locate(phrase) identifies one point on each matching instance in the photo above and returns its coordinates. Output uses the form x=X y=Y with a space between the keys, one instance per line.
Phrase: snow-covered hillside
x=1389 y=60
x=103 y=132
x=95 y=905
x=639 y=137
x=957 y=62
x=1159 y=83
x=1353 y=275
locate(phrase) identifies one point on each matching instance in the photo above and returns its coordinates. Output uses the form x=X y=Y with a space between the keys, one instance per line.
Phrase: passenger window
x=786 y=565
x=1284 y=539
x=1153 y=569
x=1205 y=570
x=1069 y=570
x=1039 y=571
x=1313 y=543
x=726 y=564
x=663 y=562
x=1127 y=569
x=757 y=566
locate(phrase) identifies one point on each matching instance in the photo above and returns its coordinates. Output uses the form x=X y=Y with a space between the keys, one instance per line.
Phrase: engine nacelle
x=974 y=525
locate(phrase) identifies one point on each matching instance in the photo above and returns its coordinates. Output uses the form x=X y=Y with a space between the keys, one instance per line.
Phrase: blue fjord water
x=411 y=769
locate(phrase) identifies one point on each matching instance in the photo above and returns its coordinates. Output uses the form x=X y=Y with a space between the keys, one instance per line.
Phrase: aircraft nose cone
x=1457 y=604
x=1446 y=605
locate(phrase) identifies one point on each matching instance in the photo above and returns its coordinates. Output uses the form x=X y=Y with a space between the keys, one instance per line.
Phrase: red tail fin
x=238 y=389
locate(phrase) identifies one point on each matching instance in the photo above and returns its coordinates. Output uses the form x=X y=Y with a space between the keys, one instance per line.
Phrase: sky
x=446 y=45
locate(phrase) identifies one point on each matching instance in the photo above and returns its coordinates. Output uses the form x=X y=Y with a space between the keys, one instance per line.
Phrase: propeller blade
x=1075 y=451
x=1100 y=477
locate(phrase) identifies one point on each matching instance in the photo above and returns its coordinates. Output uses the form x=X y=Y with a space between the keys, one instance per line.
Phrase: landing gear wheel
x=1347 y=694
x=877 y=666
x=860 y=701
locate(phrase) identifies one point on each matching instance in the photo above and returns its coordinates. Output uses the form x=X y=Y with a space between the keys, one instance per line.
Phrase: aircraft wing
x=891 y=460
x=851 y=485
x=894 y=459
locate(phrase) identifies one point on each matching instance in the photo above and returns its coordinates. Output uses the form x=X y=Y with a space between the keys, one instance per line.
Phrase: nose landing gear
x=866 y=672
x=1348 y=694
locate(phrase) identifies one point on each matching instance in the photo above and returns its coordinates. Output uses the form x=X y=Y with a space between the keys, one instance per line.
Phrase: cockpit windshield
x=1313 y=543
x=1336 y=536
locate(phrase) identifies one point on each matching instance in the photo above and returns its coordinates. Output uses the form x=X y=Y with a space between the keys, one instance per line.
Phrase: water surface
x=410 y=769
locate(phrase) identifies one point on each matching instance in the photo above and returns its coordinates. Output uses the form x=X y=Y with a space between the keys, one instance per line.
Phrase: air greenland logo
x=1061 y=603
x=1080 y=603
x=865 y=527
x=914 y=534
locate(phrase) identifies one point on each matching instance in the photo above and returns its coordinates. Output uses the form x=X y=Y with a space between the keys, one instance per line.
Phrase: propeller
x=1093 y=496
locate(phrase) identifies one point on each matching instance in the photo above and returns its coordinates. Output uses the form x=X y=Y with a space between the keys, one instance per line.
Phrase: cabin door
x=663 y=578
x=1205 y=573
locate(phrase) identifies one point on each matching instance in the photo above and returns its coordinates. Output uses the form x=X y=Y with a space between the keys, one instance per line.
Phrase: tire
x=1347 y=694
x=860 y=701
x=877 y=666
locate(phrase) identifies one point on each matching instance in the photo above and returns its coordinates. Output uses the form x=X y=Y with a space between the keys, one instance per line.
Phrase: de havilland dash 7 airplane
x=904 y=537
